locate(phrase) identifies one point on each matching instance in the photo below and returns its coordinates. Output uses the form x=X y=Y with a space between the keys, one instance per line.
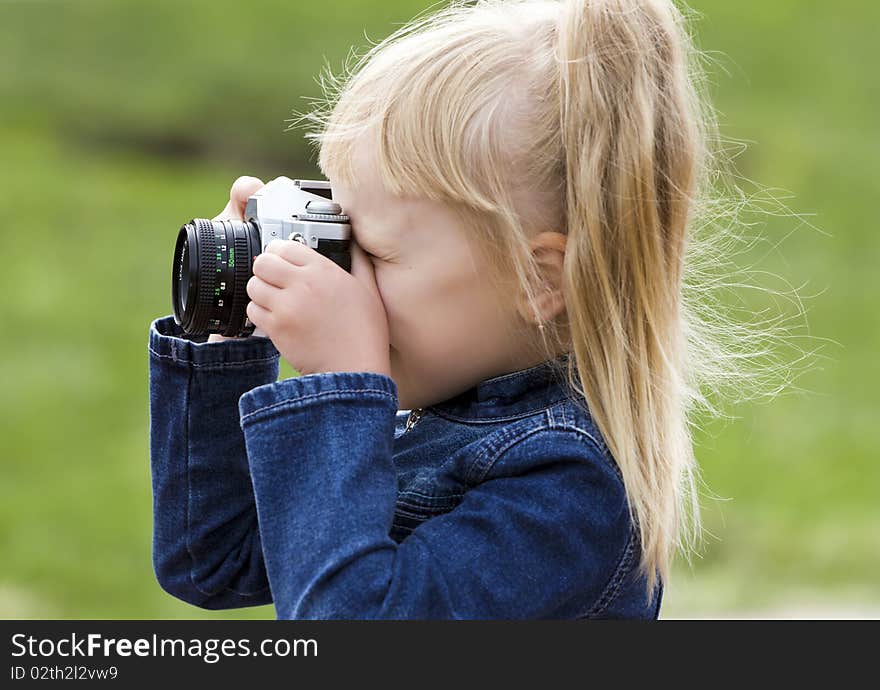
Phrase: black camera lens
x=213 y=262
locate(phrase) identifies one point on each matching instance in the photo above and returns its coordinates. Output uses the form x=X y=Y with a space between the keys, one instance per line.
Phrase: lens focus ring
x=207 y=239
x=240 y=297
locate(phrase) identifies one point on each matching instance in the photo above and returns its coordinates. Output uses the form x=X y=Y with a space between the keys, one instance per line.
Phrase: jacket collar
x=512 y=395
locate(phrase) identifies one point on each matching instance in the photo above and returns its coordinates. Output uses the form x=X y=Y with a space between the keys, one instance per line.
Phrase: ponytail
x=632 y=146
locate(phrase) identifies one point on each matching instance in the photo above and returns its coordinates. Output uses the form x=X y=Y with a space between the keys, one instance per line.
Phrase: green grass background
x=119 y=119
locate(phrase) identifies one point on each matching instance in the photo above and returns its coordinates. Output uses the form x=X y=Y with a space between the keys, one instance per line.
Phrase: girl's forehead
x=362 y=197
x=371 y=205
x=364 y=187
x=365 y=196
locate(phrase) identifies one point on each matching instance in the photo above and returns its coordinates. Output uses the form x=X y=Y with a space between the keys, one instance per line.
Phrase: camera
x=213 y=259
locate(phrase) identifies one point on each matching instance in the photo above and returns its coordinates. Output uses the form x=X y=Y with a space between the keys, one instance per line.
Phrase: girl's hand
x=242 y=188
x=320 y=317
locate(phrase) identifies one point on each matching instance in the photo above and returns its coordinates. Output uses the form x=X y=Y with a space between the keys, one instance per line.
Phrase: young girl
x=490 y=420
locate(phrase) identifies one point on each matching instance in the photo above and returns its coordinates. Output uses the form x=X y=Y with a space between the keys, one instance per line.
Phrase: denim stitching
x=428 y=496
x=534 y=431
x=212 y=365
x=421 y=510
x=346 y=393
x=417 y=514
x=603 y=450
x=574 y=428
x=412 y=492
x=612 y=589
x=503 y=442
x=404 y=512
x=601 y=446
x=495 y=444
x=508 y=445
x=492 y=420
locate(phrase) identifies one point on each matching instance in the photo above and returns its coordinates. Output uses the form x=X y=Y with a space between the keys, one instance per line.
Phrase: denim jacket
x=317 y=494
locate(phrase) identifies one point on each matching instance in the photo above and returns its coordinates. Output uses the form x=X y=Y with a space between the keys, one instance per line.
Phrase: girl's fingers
x=258 y=315
x=242 y=188
x=261 y=292
x=293 y=252
x=273 y=269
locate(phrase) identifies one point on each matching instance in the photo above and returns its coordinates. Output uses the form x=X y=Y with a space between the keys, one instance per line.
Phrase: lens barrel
x=213 y=261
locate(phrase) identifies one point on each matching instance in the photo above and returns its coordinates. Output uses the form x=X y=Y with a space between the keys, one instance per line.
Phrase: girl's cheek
x=384 y=287
x=392 y=300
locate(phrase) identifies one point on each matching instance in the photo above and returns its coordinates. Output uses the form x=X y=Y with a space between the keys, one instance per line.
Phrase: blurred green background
x=121 y=118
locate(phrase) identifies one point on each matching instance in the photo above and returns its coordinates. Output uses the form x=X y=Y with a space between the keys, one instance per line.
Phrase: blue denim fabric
x=502 y=502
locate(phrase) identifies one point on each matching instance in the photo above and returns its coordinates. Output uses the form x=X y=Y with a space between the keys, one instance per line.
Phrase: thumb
x=243 y=188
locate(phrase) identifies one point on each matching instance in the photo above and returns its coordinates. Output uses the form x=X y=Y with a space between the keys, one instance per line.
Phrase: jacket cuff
x=168 y=342
x=312 y=389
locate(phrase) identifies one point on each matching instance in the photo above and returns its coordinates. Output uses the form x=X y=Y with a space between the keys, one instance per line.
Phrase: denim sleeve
x=206 y=541
x=546 y=525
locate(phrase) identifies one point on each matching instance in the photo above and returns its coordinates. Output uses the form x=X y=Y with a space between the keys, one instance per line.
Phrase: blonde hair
x=593 y=111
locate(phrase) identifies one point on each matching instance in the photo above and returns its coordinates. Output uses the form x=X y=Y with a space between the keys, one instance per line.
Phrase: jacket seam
x=601 y=446
x=489 y=454
x=450 y=498
x=347 y=393
x=507 y=445
x=612 y=588
x=421 y=516
x=579 y=433
x=492 y=420
x=212 y=365
x=407 y=512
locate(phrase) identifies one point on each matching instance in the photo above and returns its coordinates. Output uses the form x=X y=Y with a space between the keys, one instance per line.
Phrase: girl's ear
x=548 y=249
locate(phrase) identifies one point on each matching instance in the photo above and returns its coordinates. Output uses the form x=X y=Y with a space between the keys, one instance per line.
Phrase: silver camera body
x=315 y=220
x=213 y=259
x=294 y=210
